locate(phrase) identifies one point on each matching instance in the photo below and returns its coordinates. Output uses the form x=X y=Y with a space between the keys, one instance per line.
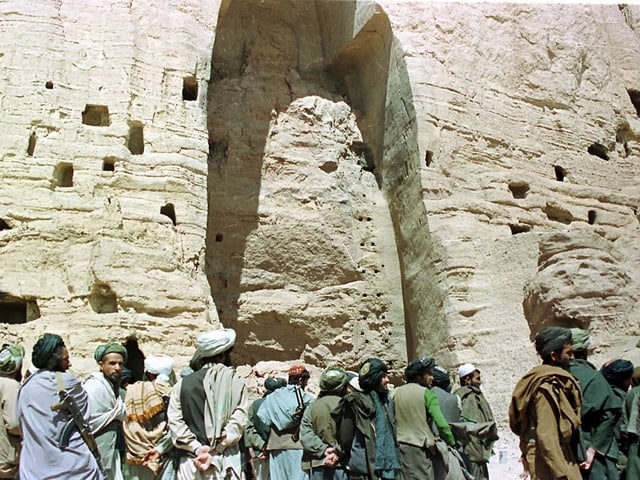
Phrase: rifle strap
x=60 y=383
x=299 y=398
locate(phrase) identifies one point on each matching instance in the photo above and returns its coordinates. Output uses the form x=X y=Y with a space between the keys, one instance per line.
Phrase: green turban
x=333 y=380
x=44 y=349
x=108 y=348
x=580 y=339
x=11 y=357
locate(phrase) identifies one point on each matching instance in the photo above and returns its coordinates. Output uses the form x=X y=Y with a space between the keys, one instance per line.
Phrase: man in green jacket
x=322 y=458
x=416 y=409
x=476 y=409
x=600 y=412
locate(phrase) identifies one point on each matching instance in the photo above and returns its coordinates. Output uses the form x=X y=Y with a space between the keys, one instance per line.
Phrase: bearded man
x=42 y=456
x=545 y=410
x=107 y=406
x=208 y=411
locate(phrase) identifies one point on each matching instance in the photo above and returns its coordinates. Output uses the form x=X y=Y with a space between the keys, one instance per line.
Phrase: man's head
x=213 y=347
x=554 y=345
x=111 y=358
x=50 y=353
x=299 y=375
x=441 y=378
x=272 y=384
x=420 y=371
x=469 y=375
x=580 y=342
x=618 y=373
x=11 y=356
x=159 y=367
x=333 y=381
x=373 y=376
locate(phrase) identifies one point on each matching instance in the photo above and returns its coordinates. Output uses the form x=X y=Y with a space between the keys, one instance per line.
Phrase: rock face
x=335 y=180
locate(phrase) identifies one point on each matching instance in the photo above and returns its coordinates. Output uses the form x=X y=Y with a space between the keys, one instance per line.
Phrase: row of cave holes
x=520 y=189
x=596 y=149
x=98 y=116
x=168 y=210
x=189 y=88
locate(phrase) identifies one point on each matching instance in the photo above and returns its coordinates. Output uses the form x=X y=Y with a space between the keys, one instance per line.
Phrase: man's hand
x=330 y=457
x=150 y=456
x=203 y=460
x=591 y=454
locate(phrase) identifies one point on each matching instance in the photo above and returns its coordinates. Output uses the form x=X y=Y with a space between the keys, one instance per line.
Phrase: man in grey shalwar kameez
x=107 y=406
x=208 y=411
x=42 y=457
x=282 y=412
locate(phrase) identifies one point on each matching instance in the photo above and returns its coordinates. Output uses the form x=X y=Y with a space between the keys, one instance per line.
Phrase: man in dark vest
x=208 y=411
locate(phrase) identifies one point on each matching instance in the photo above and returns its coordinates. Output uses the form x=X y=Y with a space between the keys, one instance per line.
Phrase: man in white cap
x=208 y=411
x=11 y=356
x=146 y=432
x=475 y=409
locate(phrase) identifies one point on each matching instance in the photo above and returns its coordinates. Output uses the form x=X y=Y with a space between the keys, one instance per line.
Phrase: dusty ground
x=505 y=464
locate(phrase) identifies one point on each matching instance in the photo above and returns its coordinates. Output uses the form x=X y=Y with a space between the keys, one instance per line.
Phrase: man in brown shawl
x=545 y=410
x=145 y=430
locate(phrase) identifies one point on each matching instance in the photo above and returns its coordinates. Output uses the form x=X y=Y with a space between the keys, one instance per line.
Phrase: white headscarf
x=161 y=365
x=215 y=342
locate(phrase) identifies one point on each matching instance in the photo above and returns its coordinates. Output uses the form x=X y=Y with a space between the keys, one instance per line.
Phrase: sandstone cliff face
x=103 y=165
x=336 y=180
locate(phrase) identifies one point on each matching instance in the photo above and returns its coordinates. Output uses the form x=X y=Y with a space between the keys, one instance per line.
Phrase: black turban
x=617 y=370
x=418 y=367
x=44 y=348
x=272 y=384
x=552 y=339
x=441 y=378
x=371 y=372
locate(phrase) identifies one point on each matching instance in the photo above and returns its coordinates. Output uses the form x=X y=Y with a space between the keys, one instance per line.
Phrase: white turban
x=159 y=364
x=215 y=342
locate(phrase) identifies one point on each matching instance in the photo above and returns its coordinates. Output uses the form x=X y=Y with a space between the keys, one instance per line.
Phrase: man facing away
x=545 y=410
x=256 y=433
x=107 y=406
x=475 y=409
x=208 y=411
x=282 y=412
x=11 y=356
x=322 y=457
x=601 y=410
x=42 y=456
x=146 y=431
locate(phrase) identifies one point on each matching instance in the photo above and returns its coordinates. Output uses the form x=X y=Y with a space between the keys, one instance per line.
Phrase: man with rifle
x=53 y=411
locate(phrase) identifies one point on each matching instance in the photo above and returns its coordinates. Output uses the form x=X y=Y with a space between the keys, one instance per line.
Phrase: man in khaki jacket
x=545 y=410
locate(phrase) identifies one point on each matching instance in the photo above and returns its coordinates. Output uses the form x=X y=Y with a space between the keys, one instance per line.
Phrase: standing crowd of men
x=573 y=420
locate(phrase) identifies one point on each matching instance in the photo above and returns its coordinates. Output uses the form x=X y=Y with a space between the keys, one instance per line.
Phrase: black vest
x=192 y=401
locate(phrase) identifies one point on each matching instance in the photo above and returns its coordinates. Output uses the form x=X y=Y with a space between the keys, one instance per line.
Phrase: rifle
x=68 y=403
x=298 y=413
